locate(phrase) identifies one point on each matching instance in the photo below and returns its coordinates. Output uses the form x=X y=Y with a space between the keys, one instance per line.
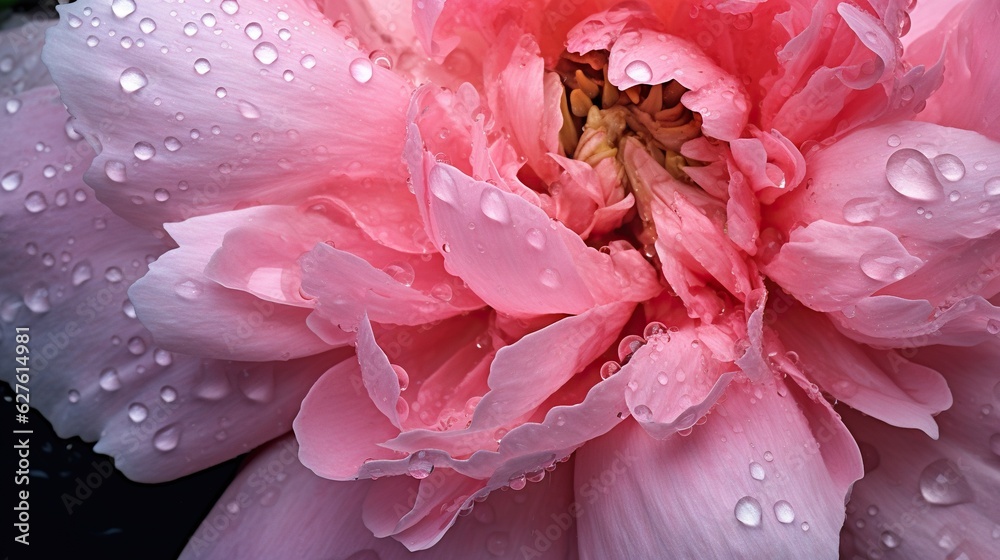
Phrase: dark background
x=121 y=518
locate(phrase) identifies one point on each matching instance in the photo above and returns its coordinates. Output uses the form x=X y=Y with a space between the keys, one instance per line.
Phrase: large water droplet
x=122 y=8
x=401 y=272
x=37 y=298
x=535 y=238
x=109 y=380
x=419 y=466
x=11 y=180
x=115 y=170
x=861 y=210
x=132 y=80
x=230 y=6
x=783 y=511
x=167 y=439
x=202 y=66
x=147 y=26
x=253 y=30
x=992 y=186
x=361 y=70
x=81 y=273
x=137 y=412
x=494 y=206
x=881 y=268
x=639 y=71
x=265 y=52
x=943 y=484
x=35 y=202
x=911 y=174
x=642 y=413
x=950 y=167
x=168 y=394
x=143 y=151
x=748 y=511
x=757 y=471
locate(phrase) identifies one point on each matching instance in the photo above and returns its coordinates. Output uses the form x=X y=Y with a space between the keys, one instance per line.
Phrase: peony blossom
x=561 y=279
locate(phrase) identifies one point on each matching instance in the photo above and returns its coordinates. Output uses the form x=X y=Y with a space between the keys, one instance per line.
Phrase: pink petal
x=217 y=115
x=278 y=509
x=880 y=383
x=536 y=266
x=926 y=499
x=700 y=486
x=829 y=266
x=97 y=373
x=21 y=57
x=172 y=296
x=970 y=73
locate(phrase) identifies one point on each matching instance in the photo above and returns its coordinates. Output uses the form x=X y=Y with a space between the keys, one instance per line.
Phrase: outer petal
x=781 y=464
x=196 y=120
x=925 y=499
x=276 y=508
x=97 y=373
x=171 y=298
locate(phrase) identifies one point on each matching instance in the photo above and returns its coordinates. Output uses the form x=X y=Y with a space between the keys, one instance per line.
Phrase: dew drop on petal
x=81 y=273
x=748 y=511
x=911 y=174
x=137 y=412
x=122 y=8
x=535 y=238
x=308 y=61
x=132 y=80
x=642 y=413
x=115 y=170
x=248 y=110
x=167 y=439
x=230 y=6
x=783 y=511
x=253 y=30
x=493 y=205
x=147 y=26
x=992 y=186
x=639 y=71
x=550 y=278
x=109 y=380
x=35 y=202
x=11 y=180
x=265 y=52
x=950 y=167
x=889 y=539
x=861 y=210
x=942 y=483
x=361 y=70
x=419 y=466
x=73 y=396
x=757 y=471
x=143 y=151
x=202 y=66
x=136 y=346
x=168 y=394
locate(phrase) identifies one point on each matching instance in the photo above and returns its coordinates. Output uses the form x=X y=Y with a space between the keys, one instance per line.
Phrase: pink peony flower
x=555 y=280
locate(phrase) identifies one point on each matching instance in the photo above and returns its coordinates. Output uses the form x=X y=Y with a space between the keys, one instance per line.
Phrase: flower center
x=598 y=119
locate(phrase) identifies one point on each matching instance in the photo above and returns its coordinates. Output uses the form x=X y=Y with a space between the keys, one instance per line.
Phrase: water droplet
x=995 y=444
x=535 y=238
x=132 y=80
x=147 y=26
x=783 y=511
x=265 y=52
x=881 y=268
x=805 y=526
x=230 y=6
x=609 y=368
x=308 y=61
x=188 y=289
x=161 y=195
x=12 y=106
x=37 y=298
x=381 y=58
x=35 y=202
x=122 y=8
x=361 y=70
x=168 y=394
x=950 y=167
x=167 y=439
x=208 y=20
x=768 y=456
x=114 y=275
x=642 y=413
x=639 y=71
x=115 y=170
x=401 y=272
x=419 y=466
x=109 y=380
x=517 y=482
x=992 y=186
x=550 y=278
x=497 y=544
x=221 y=92
x=748 y=511
x=889 y=539
x=73 y=396
x=911 y=174
x=248 y=110
x=136 y=346
x=257 y=386
x=893 y=141
x=757 y=471
x=144 y=151
x=442 y=292
x=493 y=205
x=11 y=180
x=861 y=210
x=943 y=484
x=81 y=273
x=253 y=30
x=137 y=412
x=202 y=66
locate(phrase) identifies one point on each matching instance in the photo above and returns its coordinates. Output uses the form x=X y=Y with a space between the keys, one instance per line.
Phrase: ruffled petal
x=196 y=120
x=766 y=475
x=925 y=499
x=96 y=372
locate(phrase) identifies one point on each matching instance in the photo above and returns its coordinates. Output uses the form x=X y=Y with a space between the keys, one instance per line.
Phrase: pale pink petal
x=971 y=72
x=787 y=464
x=925 y=499
x=96 y=372
x=21 y=67
x=274 y=497
x=208 y=94
x=172 y=296
x=931 y=21
x=880 y=383
x=830 y=266
x=536 y=265
x=641 y=54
